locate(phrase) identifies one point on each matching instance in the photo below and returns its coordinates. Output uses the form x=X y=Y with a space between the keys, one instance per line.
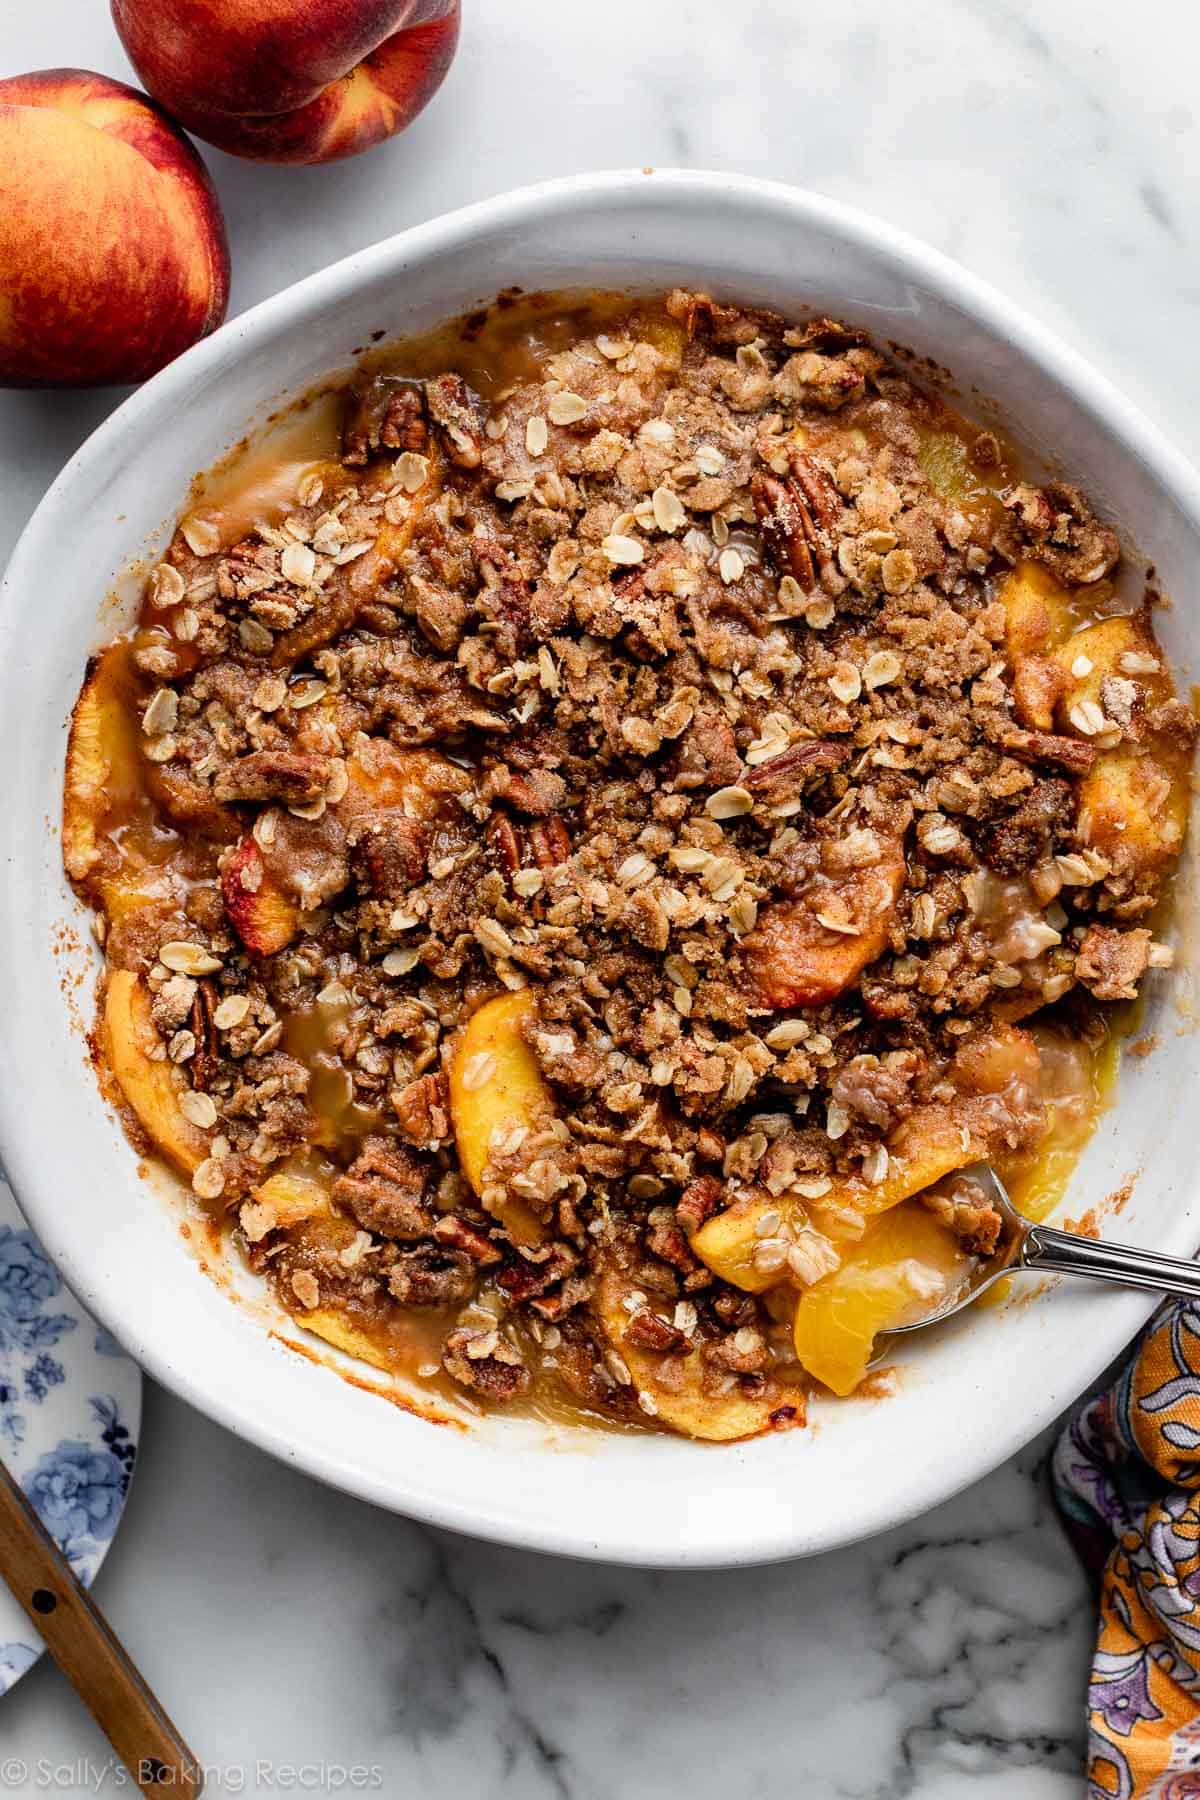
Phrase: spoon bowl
x=1022 y=1244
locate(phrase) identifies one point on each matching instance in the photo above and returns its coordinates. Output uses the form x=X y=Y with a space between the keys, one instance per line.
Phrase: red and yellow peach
x=113 y=256
x=291 y=83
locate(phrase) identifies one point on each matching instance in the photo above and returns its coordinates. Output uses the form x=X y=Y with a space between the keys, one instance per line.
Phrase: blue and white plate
x=70 y=1412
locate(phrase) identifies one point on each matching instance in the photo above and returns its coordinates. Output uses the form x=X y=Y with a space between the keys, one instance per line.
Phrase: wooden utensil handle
x=85 y=1649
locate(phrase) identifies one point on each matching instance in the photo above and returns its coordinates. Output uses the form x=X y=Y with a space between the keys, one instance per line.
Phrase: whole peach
x=287 y=81
x=113 y=256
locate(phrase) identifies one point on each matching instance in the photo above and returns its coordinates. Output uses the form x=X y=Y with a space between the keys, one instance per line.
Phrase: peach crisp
x=596 y=828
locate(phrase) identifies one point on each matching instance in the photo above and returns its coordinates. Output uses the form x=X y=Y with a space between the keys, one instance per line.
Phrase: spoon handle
x=1061 y=1251
x=88 y=1653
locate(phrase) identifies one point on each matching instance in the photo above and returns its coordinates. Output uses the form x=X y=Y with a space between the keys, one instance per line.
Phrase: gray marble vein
x=1052 y=149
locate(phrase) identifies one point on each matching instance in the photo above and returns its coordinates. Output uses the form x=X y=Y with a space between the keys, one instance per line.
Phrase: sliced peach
x=1133 y=803
x=419 y=783
x=1038 y=684
x=996 y=1058
x=131 y=889
x=264 y=917
x=1134 y=807
x=495 y=1084
x=904 y=1264
x=668 y=338
x=1088 y=656
x=289 y=1197
x=674 y=1385
x=103 y=762
x=932 y=1142
x=795 y=959
x=336 y=1329
x=148 y=1081
x=1037 y=611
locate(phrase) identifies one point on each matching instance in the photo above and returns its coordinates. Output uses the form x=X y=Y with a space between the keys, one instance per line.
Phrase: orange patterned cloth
x=1127 y=1478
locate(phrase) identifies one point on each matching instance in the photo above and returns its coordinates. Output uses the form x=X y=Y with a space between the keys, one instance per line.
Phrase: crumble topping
x=674 y=685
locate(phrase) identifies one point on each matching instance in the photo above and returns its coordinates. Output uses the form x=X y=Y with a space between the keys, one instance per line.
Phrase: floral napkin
x=1127 y=1480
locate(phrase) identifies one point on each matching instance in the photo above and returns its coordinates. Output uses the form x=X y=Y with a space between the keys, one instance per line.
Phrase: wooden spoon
x=89 y=1655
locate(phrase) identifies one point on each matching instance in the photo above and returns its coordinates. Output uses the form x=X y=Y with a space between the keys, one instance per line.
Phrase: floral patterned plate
x=70 y=1408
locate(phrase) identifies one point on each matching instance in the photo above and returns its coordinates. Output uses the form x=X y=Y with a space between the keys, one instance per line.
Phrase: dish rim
x=540 y=203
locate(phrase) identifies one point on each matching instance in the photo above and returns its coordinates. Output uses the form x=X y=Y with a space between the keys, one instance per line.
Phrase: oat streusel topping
x=730 y=704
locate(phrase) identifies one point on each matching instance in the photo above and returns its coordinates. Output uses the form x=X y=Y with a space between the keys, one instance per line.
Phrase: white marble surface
x=1053 y=149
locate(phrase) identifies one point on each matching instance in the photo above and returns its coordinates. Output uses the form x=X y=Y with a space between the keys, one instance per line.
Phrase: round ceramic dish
x=968 y=1396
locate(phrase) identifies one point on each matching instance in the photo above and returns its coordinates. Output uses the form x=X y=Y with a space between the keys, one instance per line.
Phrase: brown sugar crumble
x=610 y=833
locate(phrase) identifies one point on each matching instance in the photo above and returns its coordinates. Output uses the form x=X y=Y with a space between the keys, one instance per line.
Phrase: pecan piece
x=459 y=1234
x=702 y=316
x=204 y=1061
x=649 y=1332
x=707 y=754
x=458 y=416
x=550 y=842
x=384 y=1191
x=504 y=843
x=386 y=413
x=485 y=1363
x=819 y=491
x=666 y=1241
x=698 y=1201
x=785 y=527
x=293 y=777
x=423 y=1110
x=432 y=1276
x=1068 y=753
x=505 y=594
x=827 y=334
x=744 y=1352
x=390 y=857
x=1014 y=844
x=783 y=775
x=524 y=1280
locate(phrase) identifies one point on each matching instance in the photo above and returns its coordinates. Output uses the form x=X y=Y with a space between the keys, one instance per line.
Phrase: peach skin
x=113 y=256
x=288 y=83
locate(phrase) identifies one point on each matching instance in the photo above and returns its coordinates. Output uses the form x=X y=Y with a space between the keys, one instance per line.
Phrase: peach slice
x=934 y=1141
x=1037 y=611
x=794 y=959
x=421 y=784
x=495 y=1084
x=681 y=1400
x=1038 y=617
x=150 y=1083
x=336 y=1329
x=264 y=917
x=905 y=1262
x=284 y=1199
x=1088 y=656
x=1136 y=807
x=1134 y=800
x=103 y=762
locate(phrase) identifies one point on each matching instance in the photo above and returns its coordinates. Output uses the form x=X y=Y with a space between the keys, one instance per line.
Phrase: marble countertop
x=1053 y=150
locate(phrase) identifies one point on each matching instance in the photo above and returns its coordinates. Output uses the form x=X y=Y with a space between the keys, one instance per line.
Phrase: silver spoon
x=1046 y=1250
